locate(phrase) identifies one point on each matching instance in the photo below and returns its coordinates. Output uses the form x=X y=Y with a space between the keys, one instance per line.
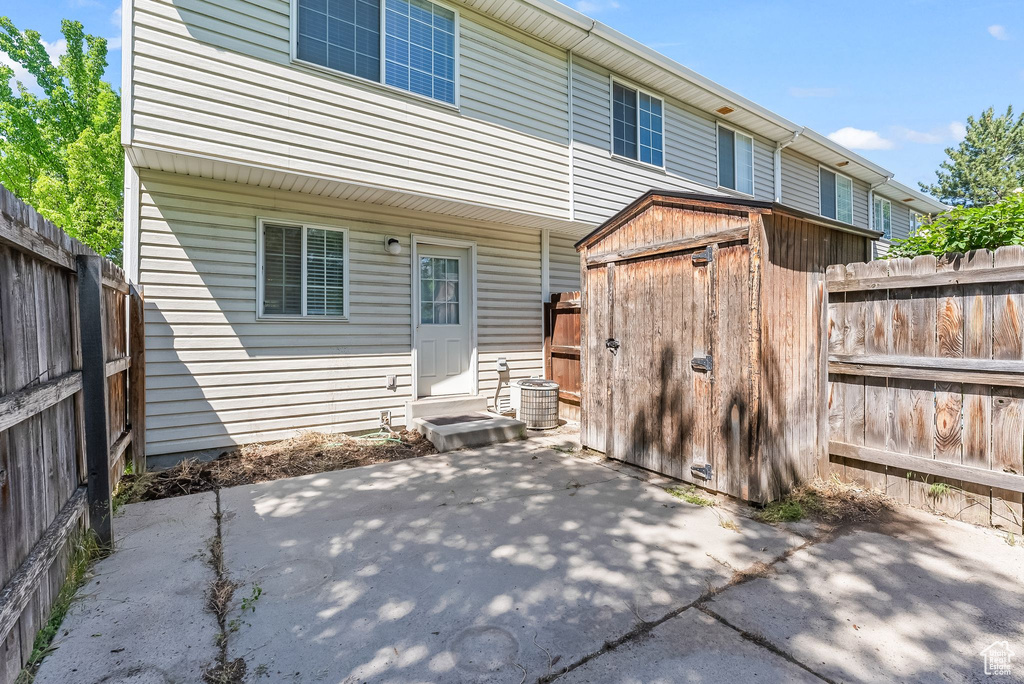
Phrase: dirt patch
x=830 y=501
x=310 y=452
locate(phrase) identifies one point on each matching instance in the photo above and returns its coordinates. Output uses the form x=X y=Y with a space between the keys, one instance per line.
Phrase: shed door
x=659 y=408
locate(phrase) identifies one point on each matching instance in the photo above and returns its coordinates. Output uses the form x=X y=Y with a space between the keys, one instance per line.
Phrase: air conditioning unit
x=536 y=403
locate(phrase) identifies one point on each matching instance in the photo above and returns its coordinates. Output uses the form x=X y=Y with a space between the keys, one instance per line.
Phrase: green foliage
x=786 y=510
x=987 y=166
x=61 y=151
x=967 y=228
x=84 y=551
x=690 y=495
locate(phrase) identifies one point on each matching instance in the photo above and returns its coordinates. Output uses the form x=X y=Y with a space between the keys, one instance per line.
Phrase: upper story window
x=303 y=270
x=883 y=217
x=735 y=160
x=417 y=53
x=638 y=125
x=835 y=195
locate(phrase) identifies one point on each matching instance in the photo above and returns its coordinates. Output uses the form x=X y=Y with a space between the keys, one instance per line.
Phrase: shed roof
x=715 y=203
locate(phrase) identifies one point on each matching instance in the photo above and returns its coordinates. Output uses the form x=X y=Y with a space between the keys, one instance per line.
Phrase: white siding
x=604 y=185
x=216 y=376
x=213 y=78
x=565 y=263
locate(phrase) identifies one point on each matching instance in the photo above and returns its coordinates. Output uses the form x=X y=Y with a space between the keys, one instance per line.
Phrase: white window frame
x=718 y=157
x=612 y=80
x=853 y=187
x=260 y=315
x=294 y=35
x=875 y=217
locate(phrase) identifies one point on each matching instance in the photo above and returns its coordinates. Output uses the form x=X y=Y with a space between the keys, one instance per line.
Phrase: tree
x=988 y=164
x=61 y=151
x=966 y=228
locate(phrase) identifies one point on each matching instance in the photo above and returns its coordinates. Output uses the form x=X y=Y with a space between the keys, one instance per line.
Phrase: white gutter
x=779 y=146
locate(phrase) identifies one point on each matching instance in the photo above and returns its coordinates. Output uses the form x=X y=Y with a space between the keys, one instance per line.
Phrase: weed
x=690 y=495
x=249 y=602
x=939 y=490
x=785 y=510
x=1011 y=539
x=85 y=550
x=728 y=524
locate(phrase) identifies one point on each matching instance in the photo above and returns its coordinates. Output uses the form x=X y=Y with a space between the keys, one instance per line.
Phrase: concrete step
x=444 y=406
x=466 y=430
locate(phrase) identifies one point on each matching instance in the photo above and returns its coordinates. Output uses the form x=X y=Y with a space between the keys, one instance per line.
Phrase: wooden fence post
x=137 y=377
x=94 y=395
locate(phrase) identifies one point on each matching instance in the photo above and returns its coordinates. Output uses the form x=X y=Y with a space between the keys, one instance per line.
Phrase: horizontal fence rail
x=926 y=381
x=69 y=411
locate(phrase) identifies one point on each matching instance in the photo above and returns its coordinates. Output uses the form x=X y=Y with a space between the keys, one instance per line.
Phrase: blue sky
x=894 y=79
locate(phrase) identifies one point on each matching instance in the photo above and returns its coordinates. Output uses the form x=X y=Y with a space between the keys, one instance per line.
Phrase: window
x=735 y=161
x=883 y=217
x=303 y=270
x=418 y=47
x=836 y=196
x=638 y=125
x=439 y=291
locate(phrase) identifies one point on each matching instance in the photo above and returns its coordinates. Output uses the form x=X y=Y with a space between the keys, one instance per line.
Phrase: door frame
x=416 y=241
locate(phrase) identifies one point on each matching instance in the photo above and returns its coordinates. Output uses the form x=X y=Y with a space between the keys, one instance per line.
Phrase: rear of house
x=336 y=207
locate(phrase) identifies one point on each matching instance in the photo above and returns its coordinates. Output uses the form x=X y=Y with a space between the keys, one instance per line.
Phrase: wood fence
x=71 y=411
x=562 y=350
x=926 y=381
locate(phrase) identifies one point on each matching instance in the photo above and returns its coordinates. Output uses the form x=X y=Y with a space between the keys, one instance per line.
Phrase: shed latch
x=701 y=364
x=613 y=345
x=702 y=471
x=703 y=257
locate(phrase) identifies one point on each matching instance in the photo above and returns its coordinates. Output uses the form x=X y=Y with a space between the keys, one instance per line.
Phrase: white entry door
x=444 y=321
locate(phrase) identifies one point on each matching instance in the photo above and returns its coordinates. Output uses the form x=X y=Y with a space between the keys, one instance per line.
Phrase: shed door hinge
x=703 y=257
x=702 y=364
x=702 y=471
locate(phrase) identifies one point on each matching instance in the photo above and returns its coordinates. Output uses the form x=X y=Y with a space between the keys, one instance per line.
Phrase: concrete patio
x=516 y=563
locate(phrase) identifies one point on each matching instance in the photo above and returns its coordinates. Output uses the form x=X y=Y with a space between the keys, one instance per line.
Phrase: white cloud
x=952 y=132
x=857 y=139
x=813 y=92
x=115 y=17
x=596 y=6
x=998 y=32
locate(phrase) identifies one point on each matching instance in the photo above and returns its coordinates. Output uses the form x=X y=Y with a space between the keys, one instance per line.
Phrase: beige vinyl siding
x=604 y=185
x=216 y=376
x=800 y=182
x=213 y=78
x=564 y=263
x=800 y=187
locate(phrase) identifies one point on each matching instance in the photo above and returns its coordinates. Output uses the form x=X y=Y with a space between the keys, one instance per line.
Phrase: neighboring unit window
x=836 y=196
x=735 y=161
x=304 y=270
x=419 y=44
x=883 y=217
x=638 y=124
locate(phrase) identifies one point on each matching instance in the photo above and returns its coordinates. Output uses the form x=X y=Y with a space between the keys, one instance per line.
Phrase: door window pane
x=439 y=291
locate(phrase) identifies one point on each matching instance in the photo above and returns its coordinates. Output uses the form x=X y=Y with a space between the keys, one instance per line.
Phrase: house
x=338 y=206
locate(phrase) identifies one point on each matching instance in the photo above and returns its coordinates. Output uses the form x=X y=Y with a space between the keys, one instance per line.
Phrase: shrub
x=966 y=228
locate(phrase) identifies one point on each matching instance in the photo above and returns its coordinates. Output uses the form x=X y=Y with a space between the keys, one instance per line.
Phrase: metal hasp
x=701 y=364
x=702 y=257
x=612 y=345
x=702 y=471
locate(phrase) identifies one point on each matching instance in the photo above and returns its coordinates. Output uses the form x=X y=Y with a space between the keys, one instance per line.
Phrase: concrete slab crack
x=219 y=596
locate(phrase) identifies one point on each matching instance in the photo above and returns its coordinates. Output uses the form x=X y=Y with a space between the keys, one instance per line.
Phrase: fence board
x=562 y=350
x=937 y=346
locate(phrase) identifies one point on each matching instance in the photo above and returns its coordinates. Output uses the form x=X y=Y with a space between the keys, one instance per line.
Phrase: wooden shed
x=702 y=339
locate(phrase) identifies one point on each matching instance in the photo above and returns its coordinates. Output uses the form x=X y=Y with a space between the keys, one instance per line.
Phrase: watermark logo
x=998 y=658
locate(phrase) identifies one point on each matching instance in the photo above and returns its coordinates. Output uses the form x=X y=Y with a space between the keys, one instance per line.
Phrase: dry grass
x=308 y=453
x=830 y=501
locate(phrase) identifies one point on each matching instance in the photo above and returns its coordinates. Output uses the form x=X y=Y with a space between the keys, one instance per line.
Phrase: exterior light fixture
x=392 y=246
